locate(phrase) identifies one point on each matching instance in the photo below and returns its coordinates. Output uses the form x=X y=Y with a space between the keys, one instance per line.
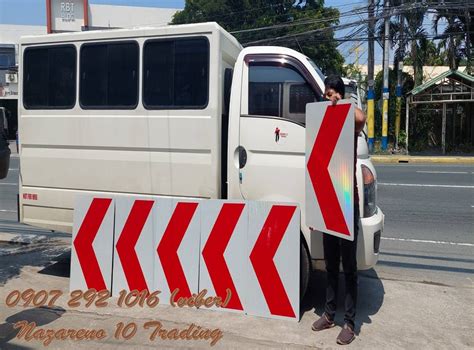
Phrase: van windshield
x=316 y=68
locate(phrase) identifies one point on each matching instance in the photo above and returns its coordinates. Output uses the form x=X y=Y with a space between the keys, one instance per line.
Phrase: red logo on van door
x=277 y=134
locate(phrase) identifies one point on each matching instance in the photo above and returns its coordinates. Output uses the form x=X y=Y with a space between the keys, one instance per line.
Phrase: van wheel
x=305 y=268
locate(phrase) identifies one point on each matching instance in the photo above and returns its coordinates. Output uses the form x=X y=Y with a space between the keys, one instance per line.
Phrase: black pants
x=334 y=249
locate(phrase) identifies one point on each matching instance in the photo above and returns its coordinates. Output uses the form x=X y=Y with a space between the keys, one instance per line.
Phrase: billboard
x=67 y=15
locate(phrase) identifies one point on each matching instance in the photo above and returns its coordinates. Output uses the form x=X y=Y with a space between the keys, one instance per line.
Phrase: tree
x=434 y=55
x=414 y=41
x=408 y=85
x=458 y=35
x=352 y=71
x=301 y=25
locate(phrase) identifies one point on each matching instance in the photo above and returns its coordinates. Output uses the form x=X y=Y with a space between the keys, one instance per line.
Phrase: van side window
x=49 y=77
x=277 y=90
x=300 y=95
x=109 y=76
x=176 y=73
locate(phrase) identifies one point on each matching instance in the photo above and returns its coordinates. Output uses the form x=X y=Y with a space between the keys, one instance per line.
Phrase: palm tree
x=458 y=35
x=414 y=40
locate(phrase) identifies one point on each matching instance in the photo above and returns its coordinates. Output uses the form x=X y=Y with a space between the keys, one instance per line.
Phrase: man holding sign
x=336 y=248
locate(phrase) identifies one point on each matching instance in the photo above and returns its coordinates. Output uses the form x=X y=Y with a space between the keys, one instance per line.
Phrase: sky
x=33 y=12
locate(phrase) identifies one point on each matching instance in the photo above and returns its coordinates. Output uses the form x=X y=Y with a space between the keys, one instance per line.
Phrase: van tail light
x=370 y=192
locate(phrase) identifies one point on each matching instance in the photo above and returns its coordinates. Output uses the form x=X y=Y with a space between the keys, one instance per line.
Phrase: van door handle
x=242 y=157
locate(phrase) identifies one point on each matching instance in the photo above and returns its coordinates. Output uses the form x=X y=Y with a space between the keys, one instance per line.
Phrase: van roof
x=168 y=30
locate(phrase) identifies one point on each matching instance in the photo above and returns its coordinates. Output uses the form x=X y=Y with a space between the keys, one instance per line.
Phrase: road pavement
x=420 y=294
x=429 y=222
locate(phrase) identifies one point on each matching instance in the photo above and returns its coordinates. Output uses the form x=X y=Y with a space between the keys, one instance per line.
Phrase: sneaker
x=322 y=323
x=346 y=336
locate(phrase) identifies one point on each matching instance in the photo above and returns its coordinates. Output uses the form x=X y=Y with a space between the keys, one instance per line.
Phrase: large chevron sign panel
x=224 y=255
x=133 y=261
x=273 y=284
x=177 y=237
x=330 y=168
x=92 y=237
x=250 y=253
x=244 y=253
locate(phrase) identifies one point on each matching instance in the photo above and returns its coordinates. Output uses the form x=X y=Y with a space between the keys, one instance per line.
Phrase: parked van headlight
x=370 y=190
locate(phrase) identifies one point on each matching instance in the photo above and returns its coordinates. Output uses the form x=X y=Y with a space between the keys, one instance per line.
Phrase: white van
x=180 y=111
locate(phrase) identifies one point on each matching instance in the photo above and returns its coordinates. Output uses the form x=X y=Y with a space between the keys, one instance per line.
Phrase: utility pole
x=370 y=78
x=401 y=54
x=386 y=93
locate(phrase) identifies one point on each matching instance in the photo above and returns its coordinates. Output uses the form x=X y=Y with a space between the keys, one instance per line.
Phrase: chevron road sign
x=244 y=252
x=330 y=168
x=156 y=246
x=91 y=256
x=224 y=228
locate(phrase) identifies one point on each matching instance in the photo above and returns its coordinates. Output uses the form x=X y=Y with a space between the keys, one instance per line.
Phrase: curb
x=421 y=159
x=23 y=239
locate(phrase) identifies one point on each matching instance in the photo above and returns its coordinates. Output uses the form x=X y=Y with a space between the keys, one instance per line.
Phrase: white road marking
x=423 y=185
x=8 y=184
x=13 y=169
x=7 y=211
x=441 y=172
x=425 y=241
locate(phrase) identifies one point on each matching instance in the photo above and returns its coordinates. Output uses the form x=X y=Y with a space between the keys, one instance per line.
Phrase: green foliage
x=352 y=71
x=458 y=35
x=432 y=55
x=414 y=38
x=402 y=139
x=281 y=15
x=423 y=129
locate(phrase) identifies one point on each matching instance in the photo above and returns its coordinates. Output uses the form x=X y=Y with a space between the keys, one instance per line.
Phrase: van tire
x=305 y=268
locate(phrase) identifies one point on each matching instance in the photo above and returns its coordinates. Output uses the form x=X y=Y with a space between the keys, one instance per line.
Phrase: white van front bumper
x=368 y=242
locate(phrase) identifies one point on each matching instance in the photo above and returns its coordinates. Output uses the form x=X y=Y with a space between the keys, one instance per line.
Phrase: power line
x=399 y=10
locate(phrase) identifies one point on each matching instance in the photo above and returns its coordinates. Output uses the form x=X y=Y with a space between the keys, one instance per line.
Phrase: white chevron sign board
x=245 y=253
x=330 y=135
x=91 y=256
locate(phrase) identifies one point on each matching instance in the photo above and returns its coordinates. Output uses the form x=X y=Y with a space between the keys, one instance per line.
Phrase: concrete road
x=420 y=295
x=429 y=222
x=392 y=314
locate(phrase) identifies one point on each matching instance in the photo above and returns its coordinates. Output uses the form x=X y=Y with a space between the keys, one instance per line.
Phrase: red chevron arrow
x=84 y=239
x=126 y=244
x=169 y=244
x=262 y=256
x=213 y=253
x=318 y=163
